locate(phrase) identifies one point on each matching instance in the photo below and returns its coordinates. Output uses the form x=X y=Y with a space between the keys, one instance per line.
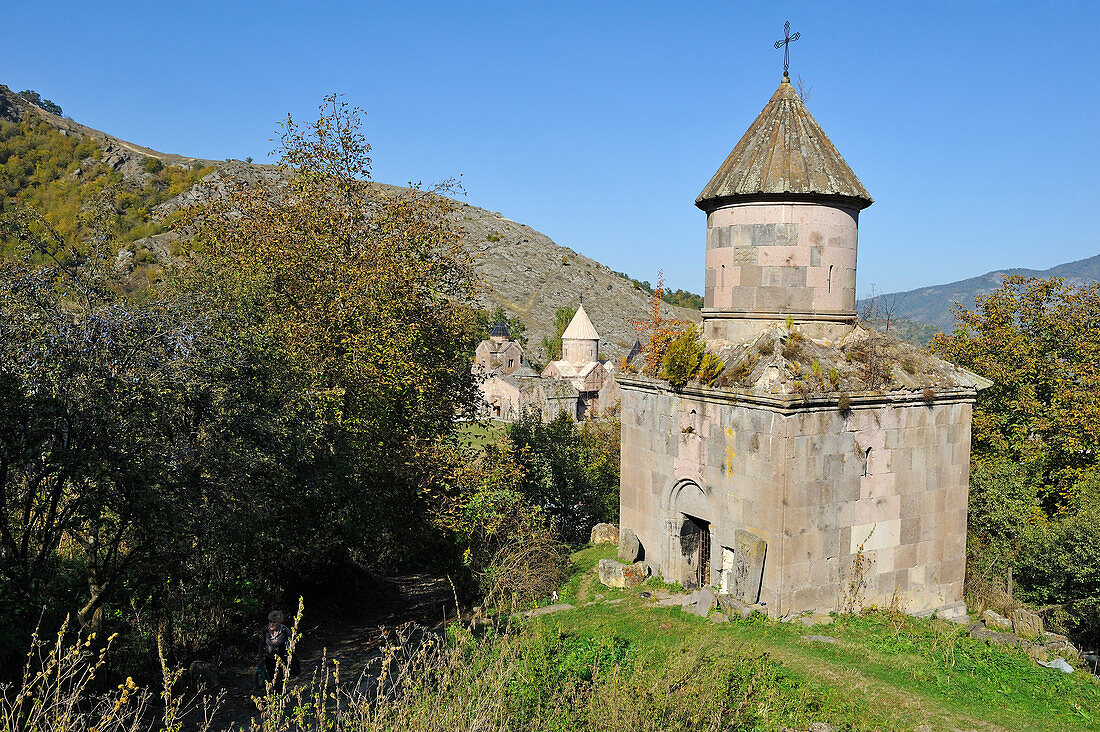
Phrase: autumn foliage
x=658 y=332
x=1038 y=341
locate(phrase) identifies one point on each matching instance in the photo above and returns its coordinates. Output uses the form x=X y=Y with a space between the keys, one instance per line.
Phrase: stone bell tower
x=782 y=215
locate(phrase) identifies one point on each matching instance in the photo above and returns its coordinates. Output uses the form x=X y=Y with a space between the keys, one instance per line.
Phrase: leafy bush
x=570 y=470
x=681 y=361
x=1002 y=504
x=686 y=360
x=152 y=165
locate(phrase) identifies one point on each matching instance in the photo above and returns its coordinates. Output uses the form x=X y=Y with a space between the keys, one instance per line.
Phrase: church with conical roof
x=579 y=384
x=826 y=466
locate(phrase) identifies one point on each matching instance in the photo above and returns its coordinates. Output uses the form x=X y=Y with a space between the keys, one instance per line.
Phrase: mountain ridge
x=932 y=304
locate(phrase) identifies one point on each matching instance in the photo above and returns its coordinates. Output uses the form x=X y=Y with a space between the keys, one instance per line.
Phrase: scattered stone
x=719 y=618
x=1005 y=639
x=645 y=595
x=817 y=618
x=625 y=576
x=1027 y=624
x=704 y=602
x=994 y=621
x=956 y=613
x=604 y=534
x=733 y=607
x=544 y=610
x=629 y=546
x=1055 y=642
x=820 y=639
x=822 y=727
x=672 y=600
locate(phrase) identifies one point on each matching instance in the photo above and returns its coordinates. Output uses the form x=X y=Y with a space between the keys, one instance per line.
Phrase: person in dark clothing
x=274 y=644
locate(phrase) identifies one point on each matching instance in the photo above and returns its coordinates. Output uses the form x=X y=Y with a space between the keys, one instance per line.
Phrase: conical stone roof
x=580 y=328
x=500 y=330
x=784 y=153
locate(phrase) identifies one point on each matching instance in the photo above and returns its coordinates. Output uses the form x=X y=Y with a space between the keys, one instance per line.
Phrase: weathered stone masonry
x=810 y=483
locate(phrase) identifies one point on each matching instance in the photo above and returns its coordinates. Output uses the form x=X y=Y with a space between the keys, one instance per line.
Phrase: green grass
x=886 y=672
x=481 y=433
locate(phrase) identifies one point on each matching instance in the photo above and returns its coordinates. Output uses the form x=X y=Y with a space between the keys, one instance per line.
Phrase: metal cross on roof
x=788 y=39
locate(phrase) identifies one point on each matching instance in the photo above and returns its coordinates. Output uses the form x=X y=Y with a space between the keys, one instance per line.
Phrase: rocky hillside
x=520 y=269
x=531 y=276
x=121 y=155
x=932 y=305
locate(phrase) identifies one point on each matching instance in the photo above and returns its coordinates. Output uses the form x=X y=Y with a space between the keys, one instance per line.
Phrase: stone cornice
x=788 y=404
x=836 y=316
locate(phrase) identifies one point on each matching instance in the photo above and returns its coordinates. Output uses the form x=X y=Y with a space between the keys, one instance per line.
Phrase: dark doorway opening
x=695 y=545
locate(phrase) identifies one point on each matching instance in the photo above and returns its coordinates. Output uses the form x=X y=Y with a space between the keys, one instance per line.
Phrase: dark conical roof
x=784 y=151
x=500 y=330
x=635 y=351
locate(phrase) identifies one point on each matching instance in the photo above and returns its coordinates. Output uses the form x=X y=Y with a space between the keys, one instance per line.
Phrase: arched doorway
x=695 y=549
x=691 y=528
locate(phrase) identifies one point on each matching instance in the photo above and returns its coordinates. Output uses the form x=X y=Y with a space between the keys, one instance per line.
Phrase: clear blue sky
x=975 y=125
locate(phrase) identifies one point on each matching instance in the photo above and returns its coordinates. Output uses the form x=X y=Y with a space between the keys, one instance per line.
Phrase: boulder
x=604 y=534
x=630 y=549
x=625 y=576
x=1027 y=624
x=704 y=602
x=994 y=621
x=203 y=674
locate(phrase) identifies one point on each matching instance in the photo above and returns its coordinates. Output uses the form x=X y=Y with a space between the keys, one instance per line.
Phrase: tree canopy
x=1039 y=343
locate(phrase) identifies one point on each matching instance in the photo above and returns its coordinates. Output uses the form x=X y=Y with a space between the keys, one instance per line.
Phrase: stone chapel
x=827 y=464
x=579 y=384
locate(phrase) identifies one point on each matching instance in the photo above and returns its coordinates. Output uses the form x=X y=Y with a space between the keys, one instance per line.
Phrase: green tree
x=365 y=294
x=95 y=461
x=571 y=471
x=1038 y=342
x=486 y=319
x=34 y=98
x=562 y=318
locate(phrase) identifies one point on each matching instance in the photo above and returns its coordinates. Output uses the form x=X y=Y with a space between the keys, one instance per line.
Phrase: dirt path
x=348 y=624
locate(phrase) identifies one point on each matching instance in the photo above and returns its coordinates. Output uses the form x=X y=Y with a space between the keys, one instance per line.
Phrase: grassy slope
x=481 y=433
x=883 y=673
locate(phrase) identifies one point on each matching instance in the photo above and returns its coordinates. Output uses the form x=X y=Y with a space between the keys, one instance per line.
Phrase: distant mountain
x=932 y=305
x=520 y=269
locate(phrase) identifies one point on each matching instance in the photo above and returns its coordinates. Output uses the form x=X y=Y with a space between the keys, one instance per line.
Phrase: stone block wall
x=780 y=258
x=815 y=485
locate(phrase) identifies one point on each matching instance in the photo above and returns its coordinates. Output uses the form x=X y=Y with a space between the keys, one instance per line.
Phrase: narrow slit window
x=722 y=276
x=830 y=278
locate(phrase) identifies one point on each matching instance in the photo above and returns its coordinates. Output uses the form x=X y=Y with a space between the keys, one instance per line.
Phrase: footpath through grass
x=883 y=672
